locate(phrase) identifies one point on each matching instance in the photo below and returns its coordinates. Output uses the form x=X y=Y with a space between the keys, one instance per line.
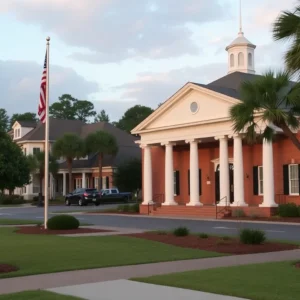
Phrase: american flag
x=42 y=103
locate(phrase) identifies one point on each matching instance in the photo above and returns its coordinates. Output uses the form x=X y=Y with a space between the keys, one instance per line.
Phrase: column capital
x=236 y=135
x=168 y=144
x=221 y=137
x=190 y=141
x=143 y=146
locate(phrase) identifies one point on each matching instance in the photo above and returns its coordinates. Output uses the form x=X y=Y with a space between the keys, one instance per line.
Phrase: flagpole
x=47 y=141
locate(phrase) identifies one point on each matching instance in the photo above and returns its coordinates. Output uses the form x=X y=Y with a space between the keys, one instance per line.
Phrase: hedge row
x=11 y=199
x=289 y=210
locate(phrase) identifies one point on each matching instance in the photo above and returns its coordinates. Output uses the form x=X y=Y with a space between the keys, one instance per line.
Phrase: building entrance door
x=217 y=183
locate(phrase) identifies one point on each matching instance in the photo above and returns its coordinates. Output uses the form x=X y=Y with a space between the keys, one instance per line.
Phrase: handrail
x=223 y=208
x=159 y=200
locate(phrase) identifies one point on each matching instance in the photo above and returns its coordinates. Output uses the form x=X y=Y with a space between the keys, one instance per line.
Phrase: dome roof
x=240 y=41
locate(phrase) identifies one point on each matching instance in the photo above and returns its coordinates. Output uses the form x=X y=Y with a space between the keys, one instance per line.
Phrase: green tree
x=70 y=108
x=28 y=116
x=134 y=116
x=69 y=146
x=102 y=143
x=37 y=166
x=4 y=120
x=268 y=100
x=287 y=27
x=128 y=176
x=102 y=117
x=14 y=167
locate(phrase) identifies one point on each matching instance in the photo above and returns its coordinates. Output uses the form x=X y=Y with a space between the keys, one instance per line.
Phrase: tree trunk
x=286 y=130
x=70 y=187
x=100 y=161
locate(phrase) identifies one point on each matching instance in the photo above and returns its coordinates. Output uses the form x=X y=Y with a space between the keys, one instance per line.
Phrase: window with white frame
x=260 y=181
x=17 y=133
x=36 y=150
x=104 y=182
x=78 y=183
x=174 y=183
x=294 y=179
x=96 y=183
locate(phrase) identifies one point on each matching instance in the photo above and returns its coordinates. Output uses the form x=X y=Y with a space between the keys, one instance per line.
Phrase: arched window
x=250 y=59
x=241 y=59
x=231 y=60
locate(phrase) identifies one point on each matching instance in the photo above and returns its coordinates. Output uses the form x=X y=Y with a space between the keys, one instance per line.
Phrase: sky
x=119 y=53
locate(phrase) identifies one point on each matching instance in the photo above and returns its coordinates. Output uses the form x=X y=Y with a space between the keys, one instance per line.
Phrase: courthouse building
x=195 y=164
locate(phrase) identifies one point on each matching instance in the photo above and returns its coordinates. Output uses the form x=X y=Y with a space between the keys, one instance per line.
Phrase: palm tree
x=69 y=146
x=102 y=143
x=270 y=99
x=37 y=166
x=287 y=27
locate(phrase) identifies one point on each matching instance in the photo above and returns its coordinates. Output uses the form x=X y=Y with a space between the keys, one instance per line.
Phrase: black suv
x=83 y=197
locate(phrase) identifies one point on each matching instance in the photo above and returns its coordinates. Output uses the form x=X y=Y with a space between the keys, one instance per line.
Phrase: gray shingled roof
x=30 y=124
x=126 y=142
x=229 y=85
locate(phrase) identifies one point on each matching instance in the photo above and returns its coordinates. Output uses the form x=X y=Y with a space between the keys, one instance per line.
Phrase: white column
x=238 y=171
x=83 y=180
x=169 y=175
x=268 y=175
x=147 y=176
x=64 y=184
x=194 y=174
x=224 y=171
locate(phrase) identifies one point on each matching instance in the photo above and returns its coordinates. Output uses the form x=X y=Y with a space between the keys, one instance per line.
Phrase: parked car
x=83 y=197
x=113 y=195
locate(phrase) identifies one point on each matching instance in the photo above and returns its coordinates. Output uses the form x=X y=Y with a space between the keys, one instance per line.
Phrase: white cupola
x=241 y=53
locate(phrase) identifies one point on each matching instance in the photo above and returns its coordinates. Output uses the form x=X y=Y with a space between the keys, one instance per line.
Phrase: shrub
x=134 y=208
x=129 y=208
x=203 y=236
x=181 y=231
x=252 y=236
x=288 y=210
x=62 y=222
x=238 y=213
x=11 y=199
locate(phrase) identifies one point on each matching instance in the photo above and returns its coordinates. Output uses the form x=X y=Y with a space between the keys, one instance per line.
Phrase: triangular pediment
x=192 y=104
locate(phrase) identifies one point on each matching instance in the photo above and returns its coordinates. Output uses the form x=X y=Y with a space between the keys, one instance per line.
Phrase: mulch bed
x=7 y=268
x=41 y=230
x=215 y=244
x=112 y=212
x=270 y=219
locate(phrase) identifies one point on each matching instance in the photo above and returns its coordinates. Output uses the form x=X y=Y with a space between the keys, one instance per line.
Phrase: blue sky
x=120 y=53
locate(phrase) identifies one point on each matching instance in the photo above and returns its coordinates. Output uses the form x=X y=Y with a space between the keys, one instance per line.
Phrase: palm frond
x=268 y=134
x=287 y=25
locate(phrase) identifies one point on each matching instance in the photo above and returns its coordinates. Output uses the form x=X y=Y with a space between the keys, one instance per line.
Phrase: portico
x=193 y=159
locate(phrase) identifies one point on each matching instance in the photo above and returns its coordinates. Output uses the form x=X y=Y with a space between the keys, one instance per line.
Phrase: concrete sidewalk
x=125 y=289
x=46 y=281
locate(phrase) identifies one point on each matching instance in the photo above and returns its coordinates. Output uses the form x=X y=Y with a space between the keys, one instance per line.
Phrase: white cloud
x=20 y=85
x=115 y=30
x=150 y=89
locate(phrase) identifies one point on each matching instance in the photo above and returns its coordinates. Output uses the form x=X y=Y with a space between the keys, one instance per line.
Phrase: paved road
x=273 y=231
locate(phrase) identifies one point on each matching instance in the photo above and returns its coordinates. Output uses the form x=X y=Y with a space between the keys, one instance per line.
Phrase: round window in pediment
x=194 y=107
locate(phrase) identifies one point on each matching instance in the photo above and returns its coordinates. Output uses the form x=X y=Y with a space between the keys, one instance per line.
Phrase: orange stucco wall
x=283 y=150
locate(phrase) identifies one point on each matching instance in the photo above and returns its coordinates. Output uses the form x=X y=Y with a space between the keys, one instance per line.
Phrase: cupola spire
x=241 y=51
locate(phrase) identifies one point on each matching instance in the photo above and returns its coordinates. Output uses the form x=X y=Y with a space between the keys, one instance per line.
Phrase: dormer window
x=17 y=133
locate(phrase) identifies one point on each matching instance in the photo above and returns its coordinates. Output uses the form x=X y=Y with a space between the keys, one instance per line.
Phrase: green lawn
x=37 y=295
x=27 y=222
x=18 y=222
x=35 y=254
x=270 y=281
